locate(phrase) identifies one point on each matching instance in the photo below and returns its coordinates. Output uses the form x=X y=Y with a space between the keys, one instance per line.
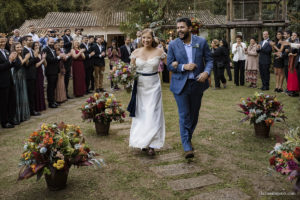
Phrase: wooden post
x=284 y=5
x=260 y=10
x=259 y=32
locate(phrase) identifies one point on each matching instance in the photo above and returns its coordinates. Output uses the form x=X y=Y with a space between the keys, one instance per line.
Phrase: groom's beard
x=185 y=36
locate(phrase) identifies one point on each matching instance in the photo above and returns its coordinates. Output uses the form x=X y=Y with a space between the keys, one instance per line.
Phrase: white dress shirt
x=35 y=37
x=238 y=52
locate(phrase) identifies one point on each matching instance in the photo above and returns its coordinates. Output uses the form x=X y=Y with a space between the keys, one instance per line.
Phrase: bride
x=148 y=124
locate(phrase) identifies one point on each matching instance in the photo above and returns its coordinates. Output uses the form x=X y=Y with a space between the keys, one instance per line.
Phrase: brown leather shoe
x=189 y=154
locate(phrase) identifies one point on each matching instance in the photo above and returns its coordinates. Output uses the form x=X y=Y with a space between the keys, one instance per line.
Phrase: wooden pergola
x=258 y=21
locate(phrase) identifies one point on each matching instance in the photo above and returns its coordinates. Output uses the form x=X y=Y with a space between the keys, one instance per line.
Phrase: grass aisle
x=224 y=147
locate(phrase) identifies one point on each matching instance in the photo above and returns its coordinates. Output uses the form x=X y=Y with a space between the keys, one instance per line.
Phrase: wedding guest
x=32 y=33
x=92 y=81
x=22 y=103
x=68 y=41
x=60 y=91
x=51 y=72
x=224 y=44
x=278 y=62
x=126 y=50
x=114 y=55
x=44 y=39
x=293 y=82
x=264 y=49
x=87 y=62
x=77 y=36
x=30 y=70
x=16 y=36
x=99 y=64
x=22 y=41
x=219 y=60
x=294 y=37
x=78 y=70
x=9 y=43
x=238 y=51
x=7 y=87
x=40 y=104
x=285 y=53
x=252 y=63
x=103 y=42
x=137 y=41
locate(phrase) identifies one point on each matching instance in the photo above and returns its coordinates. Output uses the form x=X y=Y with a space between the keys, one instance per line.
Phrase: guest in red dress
x=40 y=104
x=292 y=83
x=78 y=70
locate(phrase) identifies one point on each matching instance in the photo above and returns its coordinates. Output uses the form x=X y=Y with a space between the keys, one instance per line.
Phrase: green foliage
x=15 y=12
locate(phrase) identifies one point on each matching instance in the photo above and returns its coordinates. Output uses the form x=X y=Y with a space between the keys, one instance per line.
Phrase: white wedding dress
x=148 y=125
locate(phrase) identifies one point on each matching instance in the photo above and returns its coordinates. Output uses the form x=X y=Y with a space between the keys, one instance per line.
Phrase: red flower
x=297 y=152
x=272 y=160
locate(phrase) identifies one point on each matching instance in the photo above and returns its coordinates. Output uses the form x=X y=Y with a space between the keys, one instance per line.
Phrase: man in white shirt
x=32 y=33
x=77 y=36
x=239 y=57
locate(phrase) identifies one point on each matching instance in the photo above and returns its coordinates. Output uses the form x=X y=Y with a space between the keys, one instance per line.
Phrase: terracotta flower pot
x=262 y=130
x=101 y=128
x=58 y=180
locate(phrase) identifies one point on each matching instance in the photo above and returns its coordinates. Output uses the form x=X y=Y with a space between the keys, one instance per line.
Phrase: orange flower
x=50 y=141
x=34 y=134
x=33 y=166
x=60 y=141
x=288 y=156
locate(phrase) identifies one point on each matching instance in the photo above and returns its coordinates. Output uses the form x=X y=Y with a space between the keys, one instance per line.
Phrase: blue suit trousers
x=189 y=103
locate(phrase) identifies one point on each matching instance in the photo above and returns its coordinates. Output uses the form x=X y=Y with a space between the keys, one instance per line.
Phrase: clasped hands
x=190 y=67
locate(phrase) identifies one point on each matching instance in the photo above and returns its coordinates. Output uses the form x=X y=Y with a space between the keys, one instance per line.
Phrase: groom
x=189 y=78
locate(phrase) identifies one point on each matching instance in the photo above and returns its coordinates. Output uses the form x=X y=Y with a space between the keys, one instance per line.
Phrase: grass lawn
x=223 y=147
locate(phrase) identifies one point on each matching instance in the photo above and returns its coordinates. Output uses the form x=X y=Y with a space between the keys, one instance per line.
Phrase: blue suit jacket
x=201 y=57
x=265 y=53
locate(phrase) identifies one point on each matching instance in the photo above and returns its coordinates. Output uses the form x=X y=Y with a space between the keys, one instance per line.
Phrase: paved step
x=223 y=194
x=192 y=183
x=169 y=157
x=175 y=169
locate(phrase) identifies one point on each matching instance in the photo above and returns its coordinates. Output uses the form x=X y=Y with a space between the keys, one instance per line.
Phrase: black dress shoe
x=102 y=90
x=263 y=88
x=52 y=105
x=57 y=104
x=34 y=113
x=97 y=90
x=8 y=125
x=15 y=122
x=68 y=97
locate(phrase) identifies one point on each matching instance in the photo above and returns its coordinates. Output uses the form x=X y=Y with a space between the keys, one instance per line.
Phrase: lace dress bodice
x=148 y=66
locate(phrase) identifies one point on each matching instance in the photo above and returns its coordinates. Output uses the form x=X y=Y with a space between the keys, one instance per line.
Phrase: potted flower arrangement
x=102 y=108
x=286 y=157
x=122 y=73
x=52 y=150
x=262 y=110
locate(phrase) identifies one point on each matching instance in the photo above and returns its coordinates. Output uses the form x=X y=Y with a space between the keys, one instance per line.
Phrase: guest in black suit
x=92 y=81
x=99 y=64
x=52 y=71
x=126 y=50
x=68 y=41
x=219 y=56
x=30 y=71
x=265 y=49
x=7 y=88
x=87 y=62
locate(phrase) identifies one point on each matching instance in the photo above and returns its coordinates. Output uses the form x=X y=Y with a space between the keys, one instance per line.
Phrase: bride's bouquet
x=123 y=74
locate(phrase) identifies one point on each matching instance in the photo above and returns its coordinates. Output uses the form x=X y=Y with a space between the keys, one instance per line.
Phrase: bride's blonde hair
x=150 y=31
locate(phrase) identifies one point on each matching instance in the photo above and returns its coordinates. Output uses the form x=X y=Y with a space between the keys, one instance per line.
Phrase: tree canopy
x=15 y=12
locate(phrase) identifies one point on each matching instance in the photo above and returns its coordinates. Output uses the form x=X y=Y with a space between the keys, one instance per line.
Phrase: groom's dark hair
x=184 y=19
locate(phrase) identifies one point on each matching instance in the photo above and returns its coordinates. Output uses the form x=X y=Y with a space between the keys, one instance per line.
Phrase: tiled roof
x=74 y=19
x=94 y=19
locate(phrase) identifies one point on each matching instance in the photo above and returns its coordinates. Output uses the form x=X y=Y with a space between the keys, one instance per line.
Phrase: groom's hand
x=202 y=77
x=189 y=67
